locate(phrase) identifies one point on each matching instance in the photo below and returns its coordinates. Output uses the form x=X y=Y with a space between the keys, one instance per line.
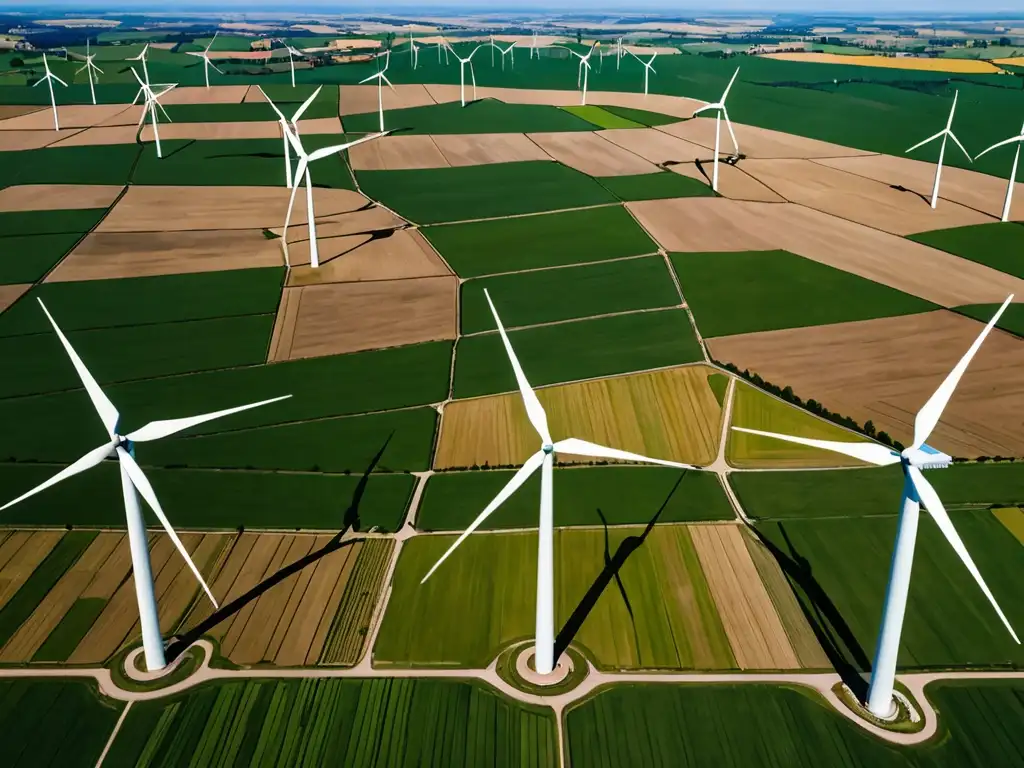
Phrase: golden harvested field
x=1017 y=61
x=105 y=255
x=801 y=637
x=755 y=409
x=715 y=224
x=58 y=197
x=670 y=414
x=16 y=110
x=850 y=368
x=590 y=154
x=486 y=148
x=400 y=255
x=70 y=116
x=20 y=553
x=958 y=66
x=98 y=136
x=10 y=294
x=359 y=99
x=857 y=198
x=733 y=182
x=351 y=625
x=394 y=153
x=1013 y=519
x=755 y=632
x=756 y=142
x=198 y=94
x=676 y=106
x=249 y=129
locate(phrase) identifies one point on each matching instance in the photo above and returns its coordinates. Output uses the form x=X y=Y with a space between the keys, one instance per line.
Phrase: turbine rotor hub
x=548 y=448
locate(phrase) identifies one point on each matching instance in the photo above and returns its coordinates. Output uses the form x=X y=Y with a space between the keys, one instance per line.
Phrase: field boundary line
x=550 y=267
x=576 y=320
x=113 y=734
x=522 y=215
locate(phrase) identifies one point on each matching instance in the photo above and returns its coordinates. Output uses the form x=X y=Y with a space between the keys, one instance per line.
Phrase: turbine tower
x=292 y=53
x=916 y=489
x=381 y=78
x=648 y=67
x=720 y=112
x=133 y=479
x=293 y=124
x=1018 y=140
x=90 y=67
x=584 y=67
x=945 y=133
x=141 y=57
x=462 y=71
x=49 y=77
x=544 y=459
x=205 y=56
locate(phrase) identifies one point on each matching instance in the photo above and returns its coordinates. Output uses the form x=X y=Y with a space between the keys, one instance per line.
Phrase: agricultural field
x=993 y=245
x=338 y=722
x=482 y=116
x=655 y=186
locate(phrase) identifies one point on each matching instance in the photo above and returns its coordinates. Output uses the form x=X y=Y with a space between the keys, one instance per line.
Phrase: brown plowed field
x=17 y=141
x=361 y=221
x=100 y=136
x=58 y=197
x=20 y=553
x=10 y=294
x=198 y=94
x=676 y=106
x=756 y=142
x=976 y=190
x=670 y=414
x=590 y=154
x=395 y=153
x=756 y=634
x=120 y=254
x=8 y=111
x=130 y=115
x=359 y=99
x=709 y=224
x=69 y=116
x=884 y=370
x=404 y=253
x=337 y=318
x=857 y=198
x=486 y=148
x=654 y=145
x=733 y=183
x=241 y=130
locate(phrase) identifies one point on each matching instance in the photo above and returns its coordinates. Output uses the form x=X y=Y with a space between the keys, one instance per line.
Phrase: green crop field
x=655 y=186
x=601 y=117
x=128 y=353
x=111 y=164
x=482 y=116
x=582 y=349
x=550 y=295
x=696 y=725
x=344 y=444
x=719 y=384
x=204 y=499
x=482 y=191
x=225 y=43
x=138 y=301
x=62 y=426
x=873 y=491
x=548 y=240
x=337 y=722
x=474 y=613
x=1012 y=319
x=32 y=223
x=641 y=116
x=54 y=722
x=995 y=245
x=26 y=258
x=839 y=568
x=623 y=495
x=250 y=111
x=751 y=291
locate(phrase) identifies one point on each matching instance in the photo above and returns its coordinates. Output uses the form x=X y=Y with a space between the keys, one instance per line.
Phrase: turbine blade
x=273 y=106
x=706 y=107
x=534 y=410
x=728 y=88
x=91 y=459
x=59 y=80
x=141 y=483
x=933 y=504
x=957 y=142
x=107 y=412
x=371 y=77
x=732 y=134
x=215 y=68
x=931 y=412
x=197 y=54
x=873 y=453
x=156 y=430
x=385 y=79
x=327 y=151
x=922 y=143
x=579 y=447
x=305 y=105
x=529 y=467
x=1011 y=140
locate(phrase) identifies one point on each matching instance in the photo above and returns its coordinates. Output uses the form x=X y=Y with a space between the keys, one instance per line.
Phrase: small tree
x=869 y=428
x=17 y=62
x=579 y=36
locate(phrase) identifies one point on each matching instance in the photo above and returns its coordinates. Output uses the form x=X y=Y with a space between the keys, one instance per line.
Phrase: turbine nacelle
x=926 y=457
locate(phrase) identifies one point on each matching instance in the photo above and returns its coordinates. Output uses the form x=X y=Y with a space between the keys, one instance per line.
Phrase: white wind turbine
x=292 y=53
x=133 y=479
x=543 y=459
x=141 y=57
x=1018 y=140
x=945 y=133
x=916 y=489
x=442 y=44
x=381 y=78
x=648 y=67
x=293 y=125
x=205 y=56
x=150 y=106
x=618 y=53
x=584 y=67
x=533 y=47
x=490 y=42
x=462 y=72
x=302 y=174
x=511 y=53
x=49 y=77
x=720 y=112
x=90 y=67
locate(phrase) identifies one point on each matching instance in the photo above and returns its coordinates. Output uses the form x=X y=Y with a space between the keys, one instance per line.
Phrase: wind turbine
x=510 y=50
x=145 y=70
x=205 y=56
x=618 y=53
x=133 y=479
x=462 y=72
x=302 y=173
x=648 y=67
x=543 y=459
x=90 y=67
x=442 y=44
x=1013 y=170
x=533 y=47
x=292 y=53
x=381 y=79
x=49 y=77
x=916 y=489
x=150 y=106
x=945 y=133
x=720 y=111
x=490 y=41
x=581 y=73
x=292 y=125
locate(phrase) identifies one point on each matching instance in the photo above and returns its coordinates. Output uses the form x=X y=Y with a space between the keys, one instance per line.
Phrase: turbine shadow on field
x=612 y=565
x=901 y=188
x=375 y=234
x=350 y=522
x=830 y=628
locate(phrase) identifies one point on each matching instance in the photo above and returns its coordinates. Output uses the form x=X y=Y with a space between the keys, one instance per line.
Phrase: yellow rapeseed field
x=957 y=66
x=1016 y=61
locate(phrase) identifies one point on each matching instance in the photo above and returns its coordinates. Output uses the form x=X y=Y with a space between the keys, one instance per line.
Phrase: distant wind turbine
x=90 y=67
x=292 y=53
x=648 y=67
x=533 y=47
x=292 y=125
x=584 y=67
x=1018 y=140
x=945 y=133
x=381 y=78
x=442 y=45
x=720 y=112
x=511 y=54
x=462 y=72
x=205 y=56
x=916 y=489
x=49 y=77
x=133 y=482
x=141 y=57
x=544 y=649
x=149 y=107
